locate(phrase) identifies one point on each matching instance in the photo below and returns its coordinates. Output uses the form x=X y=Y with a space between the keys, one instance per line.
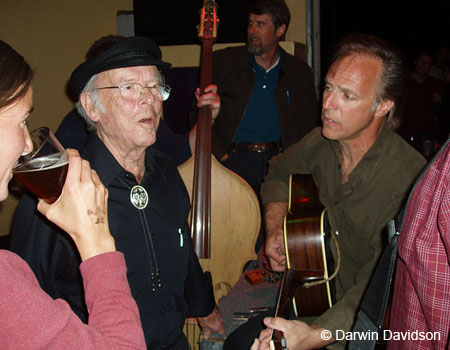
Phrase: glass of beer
x=43 y=171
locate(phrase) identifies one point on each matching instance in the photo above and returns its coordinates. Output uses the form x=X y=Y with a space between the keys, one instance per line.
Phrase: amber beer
x=44 y=176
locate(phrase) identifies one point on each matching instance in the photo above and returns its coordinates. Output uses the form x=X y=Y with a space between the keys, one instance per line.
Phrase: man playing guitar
x=363 y=171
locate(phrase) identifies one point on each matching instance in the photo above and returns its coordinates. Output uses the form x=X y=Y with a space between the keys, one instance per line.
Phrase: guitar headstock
x=208 y=21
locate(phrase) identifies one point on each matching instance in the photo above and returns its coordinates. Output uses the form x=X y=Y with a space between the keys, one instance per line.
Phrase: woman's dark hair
x=15 y=75
x=392 y=84
x=275 y=8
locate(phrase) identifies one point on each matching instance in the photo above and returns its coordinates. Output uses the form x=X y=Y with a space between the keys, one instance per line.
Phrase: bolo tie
x=139 y=199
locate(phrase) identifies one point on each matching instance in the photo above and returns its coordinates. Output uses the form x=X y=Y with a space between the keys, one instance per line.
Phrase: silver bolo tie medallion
x=139 y=197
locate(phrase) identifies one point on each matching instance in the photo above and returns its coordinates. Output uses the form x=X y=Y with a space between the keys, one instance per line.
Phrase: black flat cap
x=130 y=52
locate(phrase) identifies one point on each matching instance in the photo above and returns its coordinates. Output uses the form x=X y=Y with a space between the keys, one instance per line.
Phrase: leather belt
x=254 y=147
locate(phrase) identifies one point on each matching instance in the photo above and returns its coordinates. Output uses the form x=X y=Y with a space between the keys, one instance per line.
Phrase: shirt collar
x=106 y=165
x=274 y=65
x=367 y=167
x=256 y=64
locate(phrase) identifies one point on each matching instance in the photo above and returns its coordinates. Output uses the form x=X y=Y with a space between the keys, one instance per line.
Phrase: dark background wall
x=174 y=22
x=408 y=24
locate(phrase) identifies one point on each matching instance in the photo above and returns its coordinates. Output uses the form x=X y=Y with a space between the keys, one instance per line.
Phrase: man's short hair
x=275 y=8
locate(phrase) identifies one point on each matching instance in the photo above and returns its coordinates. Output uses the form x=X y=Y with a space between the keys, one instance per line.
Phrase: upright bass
x=225 y=215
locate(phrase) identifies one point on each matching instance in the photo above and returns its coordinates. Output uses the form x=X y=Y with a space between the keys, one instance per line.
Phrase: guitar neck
x=275 y=342
x=289 y=284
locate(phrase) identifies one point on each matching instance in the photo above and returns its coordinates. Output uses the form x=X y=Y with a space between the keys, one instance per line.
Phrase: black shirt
x=155 y=240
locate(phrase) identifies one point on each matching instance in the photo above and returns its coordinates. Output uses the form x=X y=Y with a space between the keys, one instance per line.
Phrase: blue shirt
x=260 y=122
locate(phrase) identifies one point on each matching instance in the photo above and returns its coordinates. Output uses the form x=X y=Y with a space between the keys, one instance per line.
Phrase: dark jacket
x=234 y=76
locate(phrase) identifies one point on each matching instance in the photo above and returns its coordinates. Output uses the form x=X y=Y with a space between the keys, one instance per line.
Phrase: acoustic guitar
x=306 y=254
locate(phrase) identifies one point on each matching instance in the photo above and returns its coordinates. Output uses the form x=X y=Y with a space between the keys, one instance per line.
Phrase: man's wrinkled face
x=127 y=125
x=348 y=108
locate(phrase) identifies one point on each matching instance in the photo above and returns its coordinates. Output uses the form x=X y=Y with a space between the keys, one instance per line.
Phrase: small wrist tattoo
x=99 y=213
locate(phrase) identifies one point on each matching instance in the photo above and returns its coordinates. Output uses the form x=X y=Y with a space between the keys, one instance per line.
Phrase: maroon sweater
x=31 y=319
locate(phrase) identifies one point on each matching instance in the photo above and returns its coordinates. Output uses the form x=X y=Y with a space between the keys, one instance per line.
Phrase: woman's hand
x=82 y=209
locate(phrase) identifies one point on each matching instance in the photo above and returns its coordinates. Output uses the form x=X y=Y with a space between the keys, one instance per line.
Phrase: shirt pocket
x=174 y=247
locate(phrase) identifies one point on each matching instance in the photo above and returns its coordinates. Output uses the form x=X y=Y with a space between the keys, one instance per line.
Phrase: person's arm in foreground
x=35 y=320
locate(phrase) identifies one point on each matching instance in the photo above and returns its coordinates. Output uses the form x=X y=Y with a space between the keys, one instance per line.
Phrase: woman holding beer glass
x=30 y=319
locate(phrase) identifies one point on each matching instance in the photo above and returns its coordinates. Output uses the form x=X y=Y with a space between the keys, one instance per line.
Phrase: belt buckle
x=257 y=147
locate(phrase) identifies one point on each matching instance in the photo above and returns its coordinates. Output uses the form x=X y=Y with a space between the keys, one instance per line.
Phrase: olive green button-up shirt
x=358 y=210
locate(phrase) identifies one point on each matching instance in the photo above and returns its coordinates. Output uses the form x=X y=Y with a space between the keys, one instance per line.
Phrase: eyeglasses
x=133 y=91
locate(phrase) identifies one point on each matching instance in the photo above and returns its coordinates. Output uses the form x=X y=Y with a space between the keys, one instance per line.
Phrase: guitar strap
x=372 y=311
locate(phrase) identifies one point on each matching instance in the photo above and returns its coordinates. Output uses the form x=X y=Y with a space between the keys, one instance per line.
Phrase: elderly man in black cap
x=121 y=93
x=73 y=131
